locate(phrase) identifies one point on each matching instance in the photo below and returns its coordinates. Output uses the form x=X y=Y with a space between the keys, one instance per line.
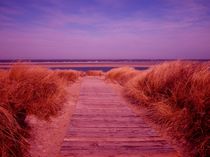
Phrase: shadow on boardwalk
x=104 y=126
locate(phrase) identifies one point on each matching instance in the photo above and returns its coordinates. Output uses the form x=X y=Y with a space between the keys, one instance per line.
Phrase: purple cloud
x=93 y=30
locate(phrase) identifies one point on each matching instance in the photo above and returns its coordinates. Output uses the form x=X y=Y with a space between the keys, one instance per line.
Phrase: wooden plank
x=133 y=130
x=115 y=139
x=109 y=134
x=104 y=126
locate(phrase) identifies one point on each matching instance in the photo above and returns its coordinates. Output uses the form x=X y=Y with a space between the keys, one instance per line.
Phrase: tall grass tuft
x=94 y=73
x=12 y=140
x=35 y=90
x=26 y=90
x=177 y=97
x=70 y=75
x=121 y=75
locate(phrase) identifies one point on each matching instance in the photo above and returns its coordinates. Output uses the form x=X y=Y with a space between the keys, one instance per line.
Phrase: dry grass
x=26 y=90
x=2 y=73
x=70 y=75
x=121 y=75
x=177 y=97
x=36 y=90
x=94 y=73
x=12 y=140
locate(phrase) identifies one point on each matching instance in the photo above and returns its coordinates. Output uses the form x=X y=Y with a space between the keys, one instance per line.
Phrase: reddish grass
x=70 y=75
x=13 y=143
x=177 y=98
x=26 y=90
x=94 y=73
x=121 y=75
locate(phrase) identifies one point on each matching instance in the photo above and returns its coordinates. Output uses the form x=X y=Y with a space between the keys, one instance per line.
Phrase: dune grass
x=177 y=98
x=13 y=143
x=25 y=90
x=70 y=75
x=94 y=73
x=121 y=75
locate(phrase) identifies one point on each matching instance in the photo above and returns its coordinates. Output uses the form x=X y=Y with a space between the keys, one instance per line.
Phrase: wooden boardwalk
x=104 y=126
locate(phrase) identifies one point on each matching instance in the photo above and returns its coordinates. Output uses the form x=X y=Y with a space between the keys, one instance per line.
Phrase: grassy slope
x=27 y=90
x=94 y=73
x=177 y=96
x=121 y=75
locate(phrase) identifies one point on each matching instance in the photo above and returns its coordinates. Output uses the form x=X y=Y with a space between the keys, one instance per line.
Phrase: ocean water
x=5 y=63
x=105 y=69
x=83 y=60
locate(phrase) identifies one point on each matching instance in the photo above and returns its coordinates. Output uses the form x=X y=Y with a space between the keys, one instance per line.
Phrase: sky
x=104 y=29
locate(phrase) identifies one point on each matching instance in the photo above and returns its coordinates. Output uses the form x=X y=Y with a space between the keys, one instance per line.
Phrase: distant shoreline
x=85 y=65
x=95 y=60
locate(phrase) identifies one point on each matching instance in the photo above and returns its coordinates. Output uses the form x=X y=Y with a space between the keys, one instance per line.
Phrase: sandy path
x=48 y=136
x=104 y=126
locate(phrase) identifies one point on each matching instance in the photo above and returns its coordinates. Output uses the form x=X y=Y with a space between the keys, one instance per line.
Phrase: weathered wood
x=104 y=126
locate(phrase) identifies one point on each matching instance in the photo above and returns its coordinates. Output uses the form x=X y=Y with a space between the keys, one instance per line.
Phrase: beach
x=83 y=65
x=108 y=107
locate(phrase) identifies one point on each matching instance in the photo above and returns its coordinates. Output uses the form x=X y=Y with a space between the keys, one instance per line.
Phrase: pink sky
x=173 y=30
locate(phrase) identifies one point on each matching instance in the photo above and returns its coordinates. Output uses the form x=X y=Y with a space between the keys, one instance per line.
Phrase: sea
x=86 y=65
x=102 y=68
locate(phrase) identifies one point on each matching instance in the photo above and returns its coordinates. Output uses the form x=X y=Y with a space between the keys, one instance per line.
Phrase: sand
x=86 y=64
x=47 y=136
